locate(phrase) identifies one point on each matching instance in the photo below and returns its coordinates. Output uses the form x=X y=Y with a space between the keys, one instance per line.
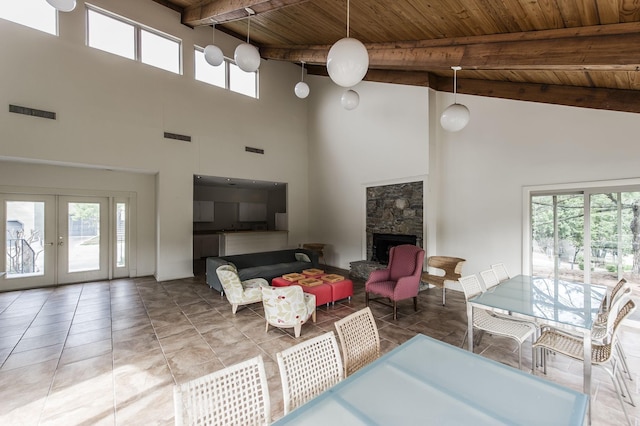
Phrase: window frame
x=587 y=189
x=28 y=24
x=137 y=37
x=227 y=74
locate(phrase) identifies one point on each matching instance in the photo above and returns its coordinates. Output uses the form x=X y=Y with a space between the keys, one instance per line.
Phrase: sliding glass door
x=557 y=230
x=587 y=236
x=615 y=236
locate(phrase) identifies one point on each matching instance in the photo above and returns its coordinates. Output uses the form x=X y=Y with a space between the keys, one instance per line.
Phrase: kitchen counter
x=241 y=242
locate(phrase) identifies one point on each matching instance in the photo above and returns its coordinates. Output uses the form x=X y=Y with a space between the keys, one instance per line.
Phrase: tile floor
x=110 y=352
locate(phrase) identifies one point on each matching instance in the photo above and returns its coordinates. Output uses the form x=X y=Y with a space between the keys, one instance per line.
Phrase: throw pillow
x=302 y=257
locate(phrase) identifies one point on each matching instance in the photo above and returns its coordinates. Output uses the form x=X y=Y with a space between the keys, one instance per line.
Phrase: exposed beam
x=220 y=11
x=583 y=97
x=611 y=47
x=170 y=5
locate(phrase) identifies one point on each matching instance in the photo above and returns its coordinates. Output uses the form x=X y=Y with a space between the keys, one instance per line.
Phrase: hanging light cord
x=248 y=28
x=455 y=82
x=347 y=18
x=302 y=71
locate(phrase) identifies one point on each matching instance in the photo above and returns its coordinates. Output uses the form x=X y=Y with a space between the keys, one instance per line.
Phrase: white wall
x=476 y=176
x=112 y=112
x=508 y=145
x=383 y=141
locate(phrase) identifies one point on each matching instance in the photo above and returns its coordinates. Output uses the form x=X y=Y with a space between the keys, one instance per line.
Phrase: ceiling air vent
x=32 y=111
x=254 y=150
x=177 y=137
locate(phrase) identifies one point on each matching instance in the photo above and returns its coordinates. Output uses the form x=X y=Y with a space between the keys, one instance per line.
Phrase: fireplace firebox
x=382 y=243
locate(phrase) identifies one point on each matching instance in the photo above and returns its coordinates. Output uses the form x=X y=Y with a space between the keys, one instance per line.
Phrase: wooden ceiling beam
x=221 y=11
x=583 y=97
x=613 y=48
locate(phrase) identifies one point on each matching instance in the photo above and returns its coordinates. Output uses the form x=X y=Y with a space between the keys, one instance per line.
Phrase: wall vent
x=177 y=137
x=32 y=111
x=254 y=150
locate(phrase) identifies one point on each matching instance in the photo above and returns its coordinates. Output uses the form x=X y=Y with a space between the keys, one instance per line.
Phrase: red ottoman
x=322 y=292
x=341 y=290
x=280 y=282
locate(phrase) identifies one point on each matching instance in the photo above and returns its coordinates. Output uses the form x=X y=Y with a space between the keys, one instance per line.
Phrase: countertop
x=233 y=231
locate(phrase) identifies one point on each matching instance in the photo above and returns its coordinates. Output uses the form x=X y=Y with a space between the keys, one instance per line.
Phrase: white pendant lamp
x=212 y=53
x=456 y=116
x=246 y=55
x=350 y=99
x=63 y=5
x=348 y=60
x=302 y=89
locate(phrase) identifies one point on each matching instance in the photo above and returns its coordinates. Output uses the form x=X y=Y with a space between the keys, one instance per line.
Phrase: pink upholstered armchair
x=401 y=279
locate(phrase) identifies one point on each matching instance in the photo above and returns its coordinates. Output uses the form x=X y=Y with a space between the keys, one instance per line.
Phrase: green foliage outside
x=614 y=224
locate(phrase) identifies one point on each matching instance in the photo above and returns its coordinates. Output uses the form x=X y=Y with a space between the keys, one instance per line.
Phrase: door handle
x=48 y=244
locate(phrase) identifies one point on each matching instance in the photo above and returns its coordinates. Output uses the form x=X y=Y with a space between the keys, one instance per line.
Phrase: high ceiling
x=583 y=53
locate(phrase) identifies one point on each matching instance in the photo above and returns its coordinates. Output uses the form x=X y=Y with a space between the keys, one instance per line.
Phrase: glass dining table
x=557 y=303
x=425 y=381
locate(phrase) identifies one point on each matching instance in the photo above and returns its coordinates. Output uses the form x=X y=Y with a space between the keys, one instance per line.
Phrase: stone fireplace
x=396 y=212
x=382 y=243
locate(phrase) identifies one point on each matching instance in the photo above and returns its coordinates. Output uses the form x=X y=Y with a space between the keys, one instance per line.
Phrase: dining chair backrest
x=490 y=278
x=236 y=395
x=308 y=369
x=501 y=271
x=610 y=303
x=618 y=290
x=359 y=340
x=471 y=286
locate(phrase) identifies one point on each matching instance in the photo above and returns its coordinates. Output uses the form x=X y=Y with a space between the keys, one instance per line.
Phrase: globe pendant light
x=302 y=89
x=63 y=5
x=246 y=55
x=348 y=60
x=456 y=116
x=212 y=53
x=350 y=99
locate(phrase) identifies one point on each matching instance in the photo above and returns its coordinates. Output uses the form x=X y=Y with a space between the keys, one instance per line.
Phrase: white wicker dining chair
x=236 y=395
x=519 y=331
x=619 y=295
x=490 y=278
x=359 y=340
x=501 y=271
x=602 y=354
x=308 y=369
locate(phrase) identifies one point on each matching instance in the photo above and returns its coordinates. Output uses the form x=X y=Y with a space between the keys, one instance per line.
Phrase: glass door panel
x=615 y=237
x=82 y=247
x=557 y=226
x=29 y=228
x=630 y=236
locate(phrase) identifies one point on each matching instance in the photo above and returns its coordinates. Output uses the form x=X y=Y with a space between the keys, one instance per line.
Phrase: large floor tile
x=131 y=340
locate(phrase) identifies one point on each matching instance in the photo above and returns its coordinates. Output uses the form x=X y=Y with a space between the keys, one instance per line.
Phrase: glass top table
x=561 y=304
x=425 y=381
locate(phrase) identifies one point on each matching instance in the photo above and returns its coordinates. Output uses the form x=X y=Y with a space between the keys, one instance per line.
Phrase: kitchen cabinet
x=203 y=211
x=205 y=245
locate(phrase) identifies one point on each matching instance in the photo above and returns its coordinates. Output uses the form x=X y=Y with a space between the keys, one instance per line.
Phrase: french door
x=592 y=235
x=53 y=240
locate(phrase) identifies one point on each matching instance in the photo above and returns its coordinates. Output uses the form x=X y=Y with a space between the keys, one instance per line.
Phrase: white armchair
x=240 y=292
x=287 y=307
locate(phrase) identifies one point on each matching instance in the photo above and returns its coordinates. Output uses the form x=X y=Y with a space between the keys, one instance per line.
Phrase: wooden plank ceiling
x=583 y=53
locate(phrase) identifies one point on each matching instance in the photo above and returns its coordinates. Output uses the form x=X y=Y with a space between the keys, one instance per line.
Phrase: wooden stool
x=452 y=267
x=317 y=247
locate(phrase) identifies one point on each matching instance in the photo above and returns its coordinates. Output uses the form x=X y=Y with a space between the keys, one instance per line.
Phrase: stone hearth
x=391 y=209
